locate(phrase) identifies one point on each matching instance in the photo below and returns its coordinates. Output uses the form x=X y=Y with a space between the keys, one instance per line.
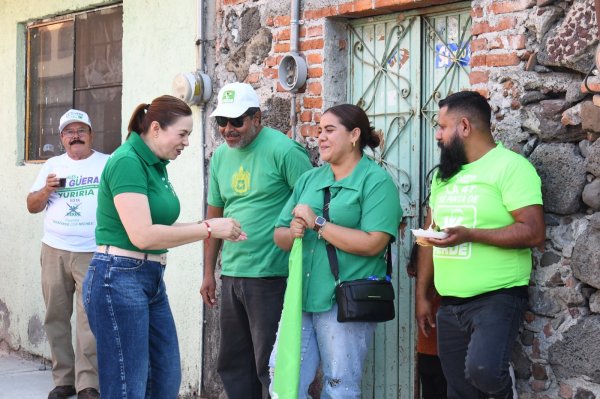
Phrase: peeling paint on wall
x=4 y=323
x=35 y=330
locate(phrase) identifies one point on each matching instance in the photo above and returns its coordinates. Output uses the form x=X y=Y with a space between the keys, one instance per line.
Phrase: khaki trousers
x=62 y=276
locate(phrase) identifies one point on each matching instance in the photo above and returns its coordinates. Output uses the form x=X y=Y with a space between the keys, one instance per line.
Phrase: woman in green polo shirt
x=364 y=216
x=124 y=291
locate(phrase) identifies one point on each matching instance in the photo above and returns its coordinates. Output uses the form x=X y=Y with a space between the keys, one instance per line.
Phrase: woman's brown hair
x=164 y=109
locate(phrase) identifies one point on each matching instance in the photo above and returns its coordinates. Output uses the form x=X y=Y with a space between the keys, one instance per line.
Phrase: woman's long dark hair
x=164 y=109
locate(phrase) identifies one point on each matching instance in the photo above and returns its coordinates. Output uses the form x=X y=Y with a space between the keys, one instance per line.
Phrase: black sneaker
x=62 y=392
x=88 y=393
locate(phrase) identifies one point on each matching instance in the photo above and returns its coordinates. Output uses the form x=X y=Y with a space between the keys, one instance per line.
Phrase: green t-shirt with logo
x=482 y=195
x=133 y=168
x=252 y=184
x=367 y=200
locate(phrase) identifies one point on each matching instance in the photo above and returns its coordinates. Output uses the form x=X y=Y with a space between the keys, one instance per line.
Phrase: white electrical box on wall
x=192 y=87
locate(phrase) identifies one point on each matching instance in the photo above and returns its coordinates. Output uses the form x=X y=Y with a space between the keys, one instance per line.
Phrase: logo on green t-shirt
x=451 y=215
x=240 y=182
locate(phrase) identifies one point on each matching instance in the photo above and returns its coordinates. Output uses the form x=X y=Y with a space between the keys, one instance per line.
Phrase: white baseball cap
x=74 y=115
x=235 y=99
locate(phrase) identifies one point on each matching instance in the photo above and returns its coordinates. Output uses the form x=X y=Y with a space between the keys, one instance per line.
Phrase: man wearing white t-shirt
x=67 y=188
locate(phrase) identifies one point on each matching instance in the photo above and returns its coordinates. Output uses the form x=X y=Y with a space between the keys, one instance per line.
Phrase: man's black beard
x=452 y=158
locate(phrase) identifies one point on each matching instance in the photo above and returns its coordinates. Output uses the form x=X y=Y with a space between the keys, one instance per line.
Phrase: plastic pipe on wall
x=294 y=29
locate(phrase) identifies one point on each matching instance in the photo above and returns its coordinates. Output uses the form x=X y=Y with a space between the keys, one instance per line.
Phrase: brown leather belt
x=112 y=250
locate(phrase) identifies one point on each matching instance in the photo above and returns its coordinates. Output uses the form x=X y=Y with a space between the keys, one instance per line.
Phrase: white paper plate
x=429 y=233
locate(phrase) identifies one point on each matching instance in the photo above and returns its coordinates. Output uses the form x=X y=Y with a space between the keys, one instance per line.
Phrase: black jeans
x=249 y=316
x=475 y=341
x=433 y=382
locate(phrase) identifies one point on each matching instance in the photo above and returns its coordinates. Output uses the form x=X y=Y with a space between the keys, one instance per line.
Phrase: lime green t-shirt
x=482 y=195
x=367 y=200
x=133 y=168
x=252 y=184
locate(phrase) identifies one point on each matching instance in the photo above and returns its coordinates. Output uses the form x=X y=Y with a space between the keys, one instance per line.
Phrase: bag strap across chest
x=332 y=255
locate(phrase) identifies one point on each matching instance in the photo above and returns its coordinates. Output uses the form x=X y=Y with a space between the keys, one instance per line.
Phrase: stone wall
x=529 y=57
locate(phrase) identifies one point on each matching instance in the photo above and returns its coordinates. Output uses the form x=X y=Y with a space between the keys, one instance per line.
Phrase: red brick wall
x=498 y=40
x=311 y=43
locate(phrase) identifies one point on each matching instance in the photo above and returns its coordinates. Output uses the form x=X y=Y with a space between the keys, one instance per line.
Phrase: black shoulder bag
x=365 y=299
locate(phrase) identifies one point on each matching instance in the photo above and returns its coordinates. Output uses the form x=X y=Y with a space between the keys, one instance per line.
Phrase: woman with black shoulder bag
x=346 y=212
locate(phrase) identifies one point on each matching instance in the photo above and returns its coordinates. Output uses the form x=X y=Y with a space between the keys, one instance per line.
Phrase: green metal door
x=400 y=66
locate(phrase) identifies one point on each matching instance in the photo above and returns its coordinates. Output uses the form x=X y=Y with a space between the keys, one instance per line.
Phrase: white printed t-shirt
x=70 y=218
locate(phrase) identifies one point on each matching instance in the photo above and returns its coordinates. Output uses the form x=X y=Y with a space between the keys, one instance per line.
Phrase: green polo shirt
x=367 y=200
x=252 y=184
x=133 y=168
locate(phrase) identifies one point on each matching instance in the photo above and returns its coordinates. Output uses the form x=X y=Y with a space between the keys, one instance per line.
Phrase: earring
x=353 y=144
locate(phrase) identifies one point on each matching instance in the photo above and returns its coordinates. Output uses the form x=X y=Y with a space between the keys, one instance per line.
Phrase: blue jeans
x=129 y=314
x=475 y=341
x=341 y=348
x=249 y=314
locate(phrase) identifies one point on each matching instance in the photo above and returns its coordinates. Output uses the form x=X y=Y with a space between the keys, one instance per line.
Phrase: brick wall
x=311 y=44
x=311 y=47
x=498 y=39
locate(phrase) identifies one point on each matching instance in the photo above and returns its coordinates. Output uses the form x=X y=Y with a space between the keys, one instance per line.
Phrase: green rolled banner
x=287 y=359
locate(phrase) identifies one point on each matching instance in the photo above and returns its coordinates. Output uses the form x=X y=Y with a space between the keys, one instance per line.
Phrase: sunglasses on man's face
x=235 y=122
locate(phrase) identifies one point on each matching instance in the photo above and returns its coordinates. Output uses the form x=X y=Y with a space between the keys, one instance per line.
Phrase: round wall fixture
x=292 y=72
x=192 y=87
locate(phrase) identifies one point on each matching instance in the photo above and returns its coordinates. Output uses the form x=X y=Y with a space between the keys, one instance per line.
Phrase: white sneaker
x=511 y=371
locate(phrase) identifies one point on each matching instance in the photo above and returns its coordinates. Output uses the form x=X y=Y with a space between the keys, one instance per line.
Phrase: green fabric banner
x=287 y=359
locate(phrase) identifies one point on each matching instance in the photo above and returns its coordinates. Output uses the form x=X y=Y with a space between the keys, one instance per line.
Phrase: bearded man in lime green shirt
x=488 y=201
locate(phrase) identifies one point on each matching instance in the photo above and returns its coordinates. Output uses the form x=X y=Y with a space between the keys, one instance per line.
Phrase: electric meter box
x=292 y=72
x=192 y=87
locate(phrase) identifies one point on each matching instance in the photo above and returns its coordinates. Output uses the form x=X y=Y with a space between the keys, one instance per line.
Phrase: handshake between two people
x=225 y=228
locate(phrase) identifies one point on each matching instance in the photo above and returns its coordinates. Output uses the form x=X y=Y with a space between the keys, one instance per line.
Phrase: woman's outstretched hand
x=227 y=229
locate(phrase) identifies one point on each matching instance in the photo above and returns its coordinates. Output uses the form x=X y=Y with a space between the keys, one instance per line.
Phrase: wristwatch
x=320 y=222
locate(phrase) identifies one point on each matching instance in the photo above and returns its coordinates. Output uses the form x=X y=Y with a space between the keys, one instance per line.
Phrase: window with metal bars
x=74 y=61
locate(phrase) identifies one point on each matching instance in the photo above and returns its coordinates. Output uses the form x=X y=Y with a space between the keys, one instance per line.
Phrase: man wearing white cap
x=251 y=179
x=67 y=188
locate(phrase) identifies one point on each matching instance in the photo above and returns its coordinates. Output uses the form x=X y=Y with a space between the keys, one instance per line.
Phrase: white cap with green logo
x=73 y=115
x=235 y=99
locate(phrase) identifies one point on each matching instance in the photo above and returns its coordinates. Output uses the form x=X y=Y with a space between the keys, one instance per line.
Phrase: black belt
x=521 y=291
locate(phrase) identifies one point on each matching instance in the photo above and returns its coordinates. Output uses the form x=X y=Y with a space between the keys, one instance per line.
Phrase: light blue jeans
x=341 y=348
x=129 y=314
